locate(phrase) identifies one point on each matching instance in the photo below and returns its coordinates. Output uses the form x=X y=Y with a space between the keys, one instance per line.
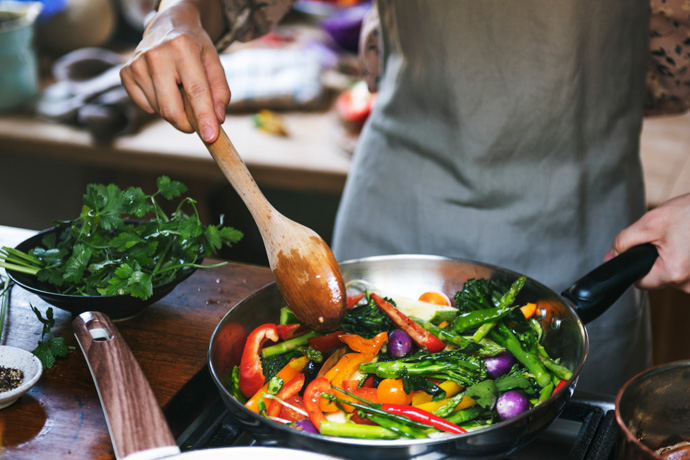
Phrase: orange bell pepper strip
x=251 y=373
x=289 y=390
x=529 y=309
x=287 y=373
x=312 y=400
x=368 y=346
x=423 y=338
x=344 y=368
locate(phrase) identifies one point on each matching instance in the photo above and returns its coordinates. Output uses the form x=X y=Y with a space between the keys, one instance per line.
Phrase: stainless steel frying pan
x=565 y=336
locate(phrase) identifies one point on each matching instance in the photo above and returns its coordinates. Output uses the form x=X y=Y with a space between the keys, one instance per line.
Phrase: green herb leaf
x=484 y=393
x=76 y=264
x=136 y=202
x=58 y=346
x=48 y=350
x=170 y=188
x=44 y=353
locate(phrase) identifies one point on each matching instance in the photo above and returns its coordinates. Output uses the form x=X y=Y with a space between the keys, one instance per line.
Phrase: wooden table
x=61 y=417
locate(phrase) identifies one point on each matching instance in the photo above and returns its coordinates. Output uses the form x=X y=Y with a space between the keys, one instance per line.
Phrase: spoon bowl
x=307 y=274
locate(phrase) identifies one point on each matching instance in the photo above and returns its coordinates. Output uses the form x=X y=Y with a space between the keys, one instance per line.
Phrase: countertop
x=61 y=417
x=310 y=159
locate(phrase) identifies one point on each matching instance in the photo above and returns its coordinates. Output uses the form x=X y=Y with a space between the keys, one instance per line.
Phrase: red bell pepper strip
x=422 y=416
x=251 y=373
x=423 y=338
x=288 y=413
x=289 y=390
x=353 y=300
x=312 y=400
x=368 y=382
x=368 y=393
x=324 y=343
x=290 y=331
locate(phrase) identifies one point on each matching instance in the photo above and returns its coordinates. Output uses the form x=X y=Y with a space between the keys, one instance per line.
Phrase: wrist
x=207 y=14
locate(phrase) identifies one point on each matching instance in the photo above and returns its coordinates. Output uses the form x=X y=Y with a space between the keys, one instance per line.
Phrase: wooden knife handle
x=135 y=420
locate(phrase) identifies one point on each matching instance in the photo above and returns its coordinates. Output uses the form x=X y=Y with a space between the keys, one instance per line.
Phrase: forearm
x=226 y=21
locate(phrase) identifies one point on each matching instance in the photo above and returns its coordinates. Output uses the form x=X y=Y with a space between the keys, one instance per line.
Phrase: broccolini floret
x=367 y=320
x=478 y=294
x=452 y=365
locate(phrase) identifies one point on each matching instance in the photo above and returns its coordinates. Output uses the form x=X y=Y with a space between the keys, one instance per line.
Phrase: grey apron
x=507 y=132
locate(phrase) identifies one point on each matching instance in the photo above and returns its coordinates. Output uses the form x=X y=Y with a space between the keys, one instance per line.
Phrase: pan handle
x=595 y=292
x=135 y=420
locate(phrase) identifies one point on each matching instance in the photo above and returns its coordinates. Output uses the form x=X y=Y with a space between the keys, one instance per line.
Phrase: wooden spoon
x=307 y=274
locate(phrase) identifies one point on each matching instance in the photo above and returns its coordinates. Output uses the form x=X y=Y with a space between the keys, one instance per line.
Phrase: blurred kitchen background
x=298 y=104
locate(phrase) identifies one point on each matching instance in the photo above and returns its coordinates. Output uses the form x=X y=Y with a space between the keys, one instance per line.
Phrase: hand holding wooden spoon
x=307 y=274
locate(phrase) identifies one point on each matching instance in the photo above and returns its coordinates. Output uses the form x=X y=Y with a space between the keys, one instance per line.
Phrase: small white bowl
x=25 y=361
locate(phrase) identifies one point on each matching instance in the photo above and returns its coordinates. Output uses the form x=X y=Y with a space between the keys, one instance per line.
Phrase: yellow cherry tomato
x=390 y=391
x=437 y=298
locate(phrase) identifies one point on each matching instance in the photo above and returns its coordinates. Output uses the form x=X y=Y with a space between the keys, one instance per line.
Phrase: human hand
x=668 y=228
x=177 y=50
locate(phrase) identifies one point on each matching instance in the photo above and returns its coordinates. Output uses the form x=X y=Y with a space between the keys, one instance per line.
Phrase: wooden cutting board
x=61 y=417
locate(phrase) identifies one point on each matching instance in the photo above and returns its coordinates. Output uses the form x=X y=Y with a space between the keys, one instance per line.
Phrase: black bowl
x=117 y=307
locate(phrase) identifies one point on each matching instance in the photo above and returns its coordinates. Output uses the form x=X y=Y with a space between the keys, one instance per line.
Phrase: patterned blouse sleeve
x=668 y=71
x=248 y=19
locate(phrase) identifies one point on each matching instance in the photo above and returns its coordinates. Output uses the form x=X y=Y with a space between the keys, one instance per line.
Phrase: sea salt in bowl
x=25 y=361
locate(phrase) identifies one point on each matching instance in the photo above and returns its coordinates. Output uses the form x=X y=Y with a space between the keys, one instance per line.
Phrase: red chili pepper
x=289 y=390
x=290 y=331
x=324 y=343
x=560 y=385
x=421 y=336
x=354 y=300
x=422 y=416
x=312 y=400
x=251 y=373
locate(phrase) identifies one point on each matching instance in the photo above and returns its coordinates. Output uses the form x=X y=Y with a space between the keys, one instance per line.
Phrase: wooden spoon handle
x=135 y=420
x=235 y=170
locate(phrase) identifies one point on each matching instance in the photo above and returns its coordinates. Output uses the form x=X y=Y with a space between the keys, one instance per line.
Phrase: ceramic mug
x=18 y=63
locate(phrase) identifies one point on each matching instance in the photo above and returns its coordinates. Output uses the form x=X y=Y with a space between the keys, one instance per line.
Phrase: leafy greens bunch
x=110 y=250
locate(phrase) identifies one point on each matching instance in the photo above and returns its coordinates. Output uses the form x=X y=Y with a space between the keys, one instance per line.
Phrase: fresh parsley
x=49 y=347
x=110 y=249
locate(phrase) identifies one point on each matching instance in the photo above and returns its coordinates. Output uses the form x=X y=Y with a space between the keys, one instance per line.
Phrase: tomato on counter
x=354 y=105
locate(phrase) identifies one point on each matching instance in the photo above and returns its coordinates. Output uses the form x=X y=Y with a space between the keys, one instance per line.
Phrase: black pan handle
x=595 y=292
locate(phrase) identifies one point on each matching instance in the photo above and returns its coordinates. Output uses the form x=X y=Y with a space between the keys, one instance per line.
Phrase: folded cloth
x=88 y=93
x=278 y=79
